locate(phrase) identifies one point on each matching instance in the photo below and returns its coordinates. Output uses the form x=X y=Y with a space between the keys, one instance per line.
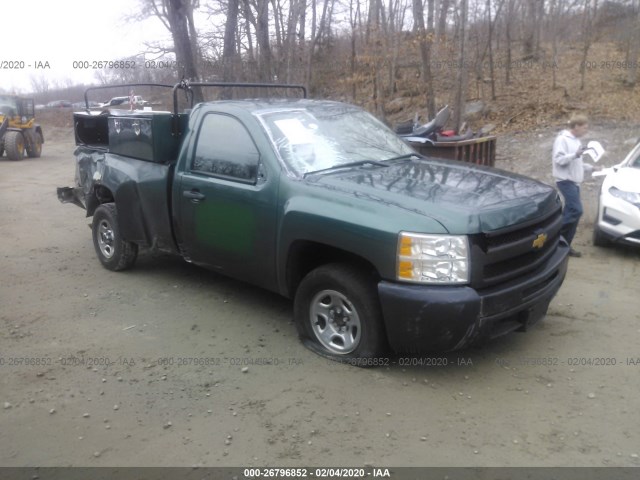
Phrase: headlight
x=631 y=197
x=437 y=259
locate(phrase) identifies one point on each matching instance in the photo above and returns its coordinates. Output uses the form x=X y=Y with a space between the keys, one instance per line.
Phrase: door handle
x=194 y=195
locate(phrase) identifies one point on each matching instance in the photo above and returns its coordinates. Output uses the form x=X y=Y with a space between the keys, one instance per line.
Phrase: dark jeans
x=572 y=208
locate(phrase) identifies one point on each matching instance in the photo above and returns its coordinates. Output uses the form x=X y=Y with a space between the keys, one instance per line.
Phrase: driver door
x=228 y=203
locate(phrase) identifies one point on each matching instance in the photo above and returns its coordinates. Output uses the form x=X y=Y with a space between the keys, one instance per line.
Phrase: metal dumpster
x=481 y=151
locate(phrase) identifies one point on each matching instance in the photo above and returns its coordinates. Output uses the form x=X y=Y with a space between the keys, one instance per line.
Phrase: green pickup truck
x=380 y=248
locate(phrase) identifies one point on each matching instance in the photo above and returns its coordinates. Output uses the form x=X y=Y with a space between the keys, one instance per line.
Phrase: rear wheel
x=34 y=147
x=113 y=252
x=14 y=144
x=338 y=315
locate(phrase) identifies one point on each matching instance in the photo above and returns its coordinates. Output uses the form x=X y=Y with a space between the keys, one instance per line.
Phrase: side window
x=225 y=149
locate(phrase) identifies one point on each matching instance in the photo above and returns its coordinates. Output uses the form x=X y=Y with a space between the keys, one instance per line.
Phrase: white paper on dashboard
x=594 y=150
x=295 y=131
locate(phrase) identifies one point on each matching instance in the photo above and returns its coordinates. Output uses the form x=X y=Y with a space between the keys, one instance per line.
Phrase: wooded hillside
x=512 y=63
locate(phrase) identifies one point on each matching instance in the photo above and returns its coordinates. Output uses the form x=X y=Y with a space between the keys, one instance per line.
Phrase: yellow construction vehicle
x=19 y=132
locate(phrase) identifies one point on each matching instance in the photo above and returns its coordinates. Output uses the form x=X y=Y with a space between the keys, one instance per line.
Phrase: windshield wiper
x=407 y=156
x=347 y=165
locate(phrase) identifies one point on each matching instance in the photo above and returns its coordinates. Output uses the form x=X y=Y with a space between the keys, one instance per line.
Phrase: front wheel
x=338 y=315
x=113 y=252
x=599 y=239
x=14 y=144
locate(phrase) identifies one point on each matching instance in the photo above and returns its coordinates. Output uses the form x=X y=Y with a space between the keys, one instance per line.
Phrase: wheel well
x=305 y=256
x=101 y=194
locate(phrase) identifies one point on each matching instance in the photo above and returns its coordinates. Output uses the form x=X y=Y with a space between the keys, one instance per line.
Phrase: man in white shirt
x=569 y=170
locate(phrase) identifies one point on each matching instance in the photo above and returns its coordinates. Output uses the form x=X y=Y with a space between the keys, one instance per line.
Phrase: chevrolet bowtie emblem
x=539 y=241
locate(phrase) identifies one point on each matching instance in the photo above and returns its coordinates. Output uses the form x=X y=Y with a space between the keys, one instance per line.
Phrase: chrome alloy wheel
x=105 y=239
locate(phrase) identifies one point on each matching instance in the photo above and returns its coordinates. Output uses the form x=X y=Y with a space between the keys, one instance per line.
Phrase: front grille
x=498 y=258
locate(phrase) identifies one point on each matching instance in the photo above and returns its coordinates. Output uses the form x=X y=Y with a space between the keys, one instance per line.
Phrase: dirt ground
x=176 y=338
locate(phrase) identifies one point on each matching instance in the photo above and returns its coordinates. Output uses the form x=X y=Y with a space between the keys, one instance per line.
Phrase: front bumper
x=619 y=220
x=432 y=318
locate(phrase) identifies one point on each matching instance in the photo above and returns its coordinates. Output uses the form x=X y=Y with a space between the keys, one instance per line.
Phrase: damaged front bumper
x=423 y=319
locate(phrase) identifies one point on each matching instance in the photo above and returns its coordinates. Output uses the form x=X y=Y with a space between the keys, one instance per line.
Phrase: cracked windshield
x=311 y=141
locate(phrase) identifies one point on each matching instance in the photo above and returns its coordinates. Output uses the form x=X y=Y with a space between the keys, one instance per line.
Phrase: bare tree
x=511 y=5
x=488 y=49
x=354 y=21
x=294 y=44
x=177 y=17
x=425 y=40
x=528 y=31
x=40 y=84
x=392 y=37
x=634 y=47
x=373 y=17
x=229 y=51
x=555 y=12
x=317 y=30
x=442 y=19
x=590 y=10
x=262 y=38
x=461 y=81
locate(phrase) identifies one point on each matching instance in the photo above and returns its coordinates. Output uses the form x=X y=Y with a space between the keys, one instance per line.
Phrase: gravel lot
x=177 y=337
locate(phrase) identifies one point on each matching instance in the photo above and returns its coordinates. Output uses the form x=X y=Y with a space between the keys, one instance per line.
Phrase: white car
x=619 y=204
x=124 y=102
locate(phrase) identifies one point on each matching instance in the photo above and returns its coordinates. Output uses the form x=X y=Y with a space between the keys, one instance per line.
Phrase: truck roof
x=267 y=104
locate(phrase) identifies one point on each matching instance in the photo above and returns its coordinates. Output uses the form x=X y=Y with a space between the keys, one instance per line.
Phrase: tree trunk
x=528 y=42
x=262 y=37
x=373 y=19
x=554 y=12
x=442 y=20
x=316 y=32
x=289 y=43
x=634 y=48
x=508 y=25
x=431 y=100
x=461 y=81
x=587 y=32
x=539 y=24
x=354 y=13
x=490 y=42
x=229 y=47
x=178 y=12
x=425 y=54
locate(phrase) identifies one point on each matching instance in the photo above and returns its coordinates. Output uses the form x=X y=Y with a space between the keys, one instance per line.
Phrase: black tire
x=113 y=252
x=599 y=238
x=34 y=146
x=1 y=149
x=14 y=144
x=320 y=299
